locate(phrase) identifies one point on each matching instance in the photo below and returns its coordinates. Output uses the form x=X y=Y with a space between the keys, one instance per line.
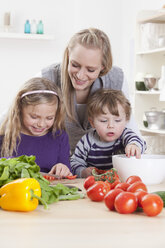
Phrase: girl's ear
x=91 y=122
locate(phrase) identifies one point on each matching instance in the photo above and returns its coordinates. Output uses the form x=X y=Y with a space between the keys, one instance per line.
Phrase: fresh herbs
x=26 y=167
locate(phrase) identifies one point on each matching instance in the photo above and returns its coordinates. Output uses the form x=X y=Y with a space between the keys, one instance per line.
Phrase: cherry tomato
x=152 y=204
x=109 y=199
x=125 y=202
x=89 y=181
x=122 y=186
x=133 y=179
x=71 y=177
x=137 y=185
x=139 y=194
x=113 y=185
x=98 y=190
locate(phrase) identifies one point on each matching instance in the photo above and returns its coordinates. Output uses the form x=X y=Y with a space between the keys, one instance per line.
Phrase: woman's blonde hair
x=11 y=126
x=90 y=38
x=110 y=99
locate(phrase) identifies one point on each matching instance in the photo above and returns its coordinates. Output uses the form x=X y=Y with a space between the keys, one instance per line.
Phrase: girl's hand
x=60 y=170
x=132 y=150
x=87 y=172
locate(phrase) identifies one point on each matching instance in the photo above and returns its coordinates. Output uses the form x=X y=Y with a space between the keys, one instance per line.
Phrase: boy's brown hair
x=109 y=98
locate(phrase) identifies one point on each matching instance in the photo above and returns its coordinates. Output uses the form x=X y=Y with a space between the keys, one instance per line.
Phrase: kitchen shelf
x=147 y=130
x=148 y=62
x=152 y=92
x=156 y=50
x=8 y=35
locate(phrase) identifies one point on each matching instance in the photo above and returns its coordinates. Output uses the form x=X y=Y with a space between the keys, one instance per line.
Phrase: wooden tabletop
x=81 y=223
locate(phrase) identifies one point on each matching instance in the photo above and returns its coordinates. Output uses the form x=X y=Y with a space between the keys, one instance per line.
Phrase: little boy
x=108 y=113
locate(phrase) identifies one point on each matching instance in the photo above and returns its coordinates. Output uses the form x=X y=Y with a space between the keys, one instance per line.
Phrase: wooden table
x=81 y=223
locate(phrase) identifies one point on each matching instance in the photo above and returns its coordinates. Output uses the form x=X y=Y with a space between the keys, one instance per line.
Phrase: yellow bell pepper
x=20 y=195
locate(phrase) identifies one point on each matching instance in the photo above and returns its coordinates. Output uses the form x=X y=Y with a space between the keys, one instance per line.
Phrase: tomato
x=71 y=177
x=125 y=203
x=122 y=186
x=89 y=181
x=49 y=178
x=109 y=199
x=137 y=185
x=139 y=194
x=152 y=204
x=98 y=190
x=133 y=179
x=113 y=185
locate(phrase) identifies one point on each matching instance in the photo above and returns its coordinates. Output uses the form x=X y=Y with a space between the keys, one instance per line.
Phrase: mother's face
x=84 y=66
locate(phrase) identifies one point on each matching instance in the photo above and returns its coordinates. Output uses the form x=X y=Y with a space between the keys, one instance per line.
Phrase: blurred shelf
x=156 y=50
x=8 y=35
x=152 y=16
x=148 y=92
x=147 y=130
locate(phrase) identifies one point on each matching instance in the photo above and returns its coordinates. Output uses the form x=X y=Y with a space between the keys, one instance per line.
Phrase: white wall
x=21 y=59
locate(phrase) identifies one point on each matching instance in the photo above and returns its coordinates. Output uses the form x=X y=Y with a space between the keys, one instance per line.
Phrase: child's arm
x=79 y=158
x=134 y=145
x=60 y=170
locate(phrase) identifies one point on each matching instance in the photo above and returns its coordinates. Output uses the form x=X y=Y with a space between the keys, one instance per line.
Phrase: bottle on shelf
x=7 y=22
x=40 y=27
x=33 y=27
x=27 y=27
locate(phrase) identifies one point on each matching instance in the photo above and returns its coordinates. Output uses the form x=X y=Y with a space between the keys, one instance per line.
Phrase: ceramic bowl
x=150 y=168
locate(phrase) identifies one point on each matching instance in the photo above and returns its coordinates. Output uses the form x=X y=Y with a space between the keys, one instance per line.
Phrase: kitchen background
x=21 y=59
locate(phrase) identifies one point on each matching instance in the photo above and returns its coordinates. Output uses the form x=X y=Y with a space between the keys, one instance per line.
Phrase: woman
x=86 y=67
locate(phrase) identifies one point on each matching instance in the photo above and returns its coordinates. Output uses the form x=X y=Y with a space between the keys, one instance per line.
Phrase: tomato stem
x=107 y=176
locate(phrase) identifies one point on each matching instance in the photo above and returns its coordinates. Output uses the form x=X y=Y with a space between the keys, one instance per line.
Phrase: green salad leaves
x=26 y=167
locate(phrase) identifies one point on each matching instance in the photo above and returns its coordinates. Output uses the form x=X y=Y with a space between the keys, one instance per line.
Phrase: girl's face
x=38 y=119
x=109 y=127
x=84 y=66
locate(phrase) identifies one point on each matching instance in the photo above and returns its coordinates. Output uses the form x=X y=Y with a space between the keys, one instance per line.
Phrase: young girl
x=35 y=126
x=108 y=113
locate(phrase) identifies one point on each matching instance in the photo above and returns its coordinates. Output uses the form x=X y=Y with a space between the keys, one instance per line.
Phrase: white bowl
x=150 y=168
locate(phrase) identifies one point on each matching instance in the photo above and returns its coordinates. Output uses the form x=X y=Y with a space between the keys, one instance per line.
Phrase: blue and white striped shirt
x=90 y=151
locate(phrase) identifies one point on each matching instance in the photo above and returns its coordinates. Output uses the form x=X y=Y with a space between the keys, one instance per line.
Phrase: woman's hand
x=87 y=172
x=60 y=170
x=132 y=150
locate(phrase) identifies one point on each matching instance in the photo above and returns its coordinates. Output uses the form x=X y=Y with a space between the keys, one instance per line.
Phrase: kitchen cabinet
x=148 y=61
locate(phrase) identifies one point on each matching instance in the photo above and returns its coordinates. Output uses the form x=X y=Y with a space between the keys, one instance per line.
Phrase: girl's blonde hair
x=110 y=99
x=11 y=126
x=90 y=38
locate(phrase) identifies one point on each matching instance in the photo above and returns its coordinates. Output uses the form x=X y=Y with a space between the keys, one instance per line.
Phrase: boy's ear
x=91 y=122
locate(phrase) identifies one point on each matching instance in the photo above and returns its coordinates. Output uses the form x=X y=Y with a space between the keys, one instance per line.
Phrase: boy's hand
x=132 y=150
x=87 y=172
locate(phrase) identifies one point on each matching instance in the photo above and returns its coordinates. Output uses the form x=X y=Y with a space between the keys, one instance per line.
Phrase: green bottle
x=40 y=28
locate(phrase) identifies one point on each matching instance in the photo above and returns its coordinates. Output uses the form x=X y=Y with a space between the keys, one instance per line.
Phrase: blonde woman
x=34 y=125
x=86 y=67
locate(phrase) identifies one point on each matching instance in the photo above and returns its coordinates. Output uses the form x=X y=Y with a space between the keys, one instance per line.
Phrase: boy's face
x=109 y=127
x=38 y=119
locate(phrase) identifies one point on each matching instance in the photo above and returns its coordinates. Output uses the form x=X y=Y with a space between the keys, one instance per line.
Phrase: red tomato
x=89 y=181
x=133 y=179
x=71 y=177
x=109 y=199
x=125 y=203
x=122 y=186
x=152 y=204
x=98 y=190
x=137 y=185
x=139 y=194
x=49 y=178
x=113 y=185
